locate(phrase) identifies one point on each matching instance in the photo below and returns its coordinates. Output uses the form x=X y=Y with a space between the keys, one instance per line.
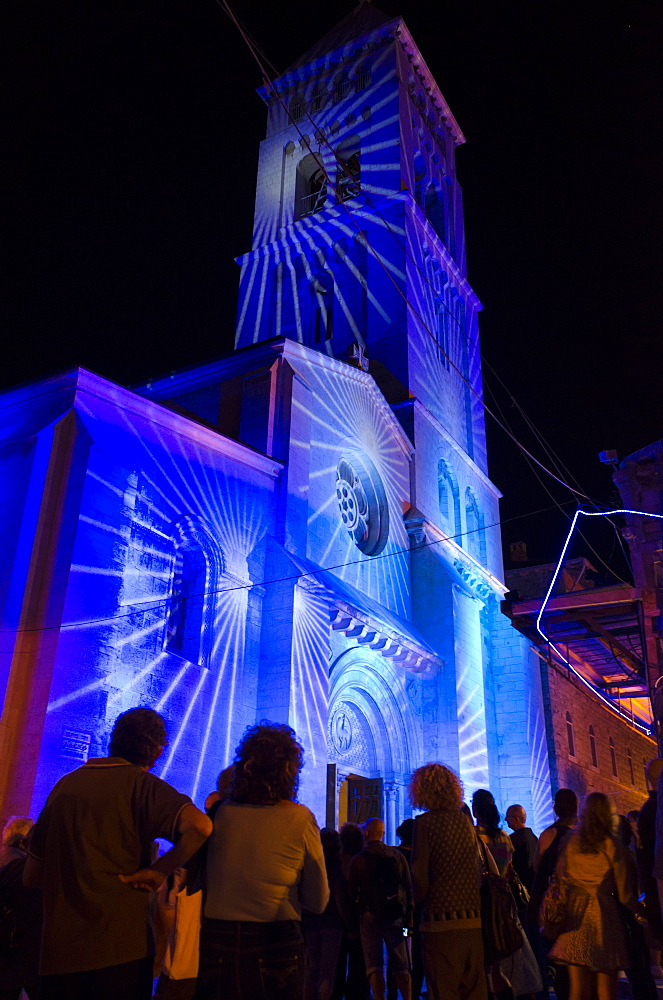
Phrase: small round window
x=362 y=504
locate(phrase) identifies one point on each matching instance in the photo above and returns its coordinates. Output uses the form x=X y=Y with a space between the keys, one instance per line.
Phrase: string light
x=565 y=659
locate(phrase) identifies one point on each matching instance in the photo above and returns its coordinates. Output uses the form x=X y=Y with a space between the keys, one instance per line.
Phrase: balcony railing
x=314 y=202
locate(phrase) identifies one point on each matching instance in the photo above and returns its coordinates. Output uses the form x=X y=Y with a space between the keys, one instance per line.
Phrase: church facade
x=305 y=530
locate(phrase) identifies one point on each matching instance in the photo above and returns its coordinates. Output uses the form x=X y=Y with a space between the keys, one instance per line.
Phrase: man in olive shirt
x=91 y=851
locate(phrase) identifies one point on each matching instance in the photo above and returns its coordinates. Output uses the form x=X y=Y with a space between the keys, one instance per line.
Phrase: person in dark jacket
x=323 y=932
x=550 y=843
x=524 y=845
x=379 y=883
x=351 y=979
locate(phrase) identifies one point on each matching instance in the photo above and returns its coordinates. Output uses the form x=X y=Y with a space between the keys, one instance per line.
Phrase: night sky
x=133 y=140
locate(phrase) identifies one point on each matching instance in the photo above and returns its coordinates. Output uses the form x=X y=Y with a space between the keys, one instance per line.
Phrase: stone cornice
x=469 y=574
x=445 y=257
x=84 y=384
x=428 y=81
x=331 y=60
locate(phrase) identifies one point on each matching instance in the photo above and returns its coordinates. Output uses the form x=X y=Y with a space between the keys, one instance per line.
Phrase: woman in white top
x=264 y=863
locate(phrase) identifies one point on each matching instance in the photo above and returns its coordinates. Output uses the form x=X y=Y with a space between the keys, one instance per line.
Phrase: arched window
x=474 y=538
x=348 y=171
x=319 y=96
x=342 y=87
x=435 y=209
x=613 y=757
x=363 y=77
x=443 y=489
x=311 y=186
x=419 y=171
x=322 y=286
x=592 y=747
x=570 y=738
x=192 y=596
x=630 y=766
x=297 y=109
x=447 y=497
x=442 y=324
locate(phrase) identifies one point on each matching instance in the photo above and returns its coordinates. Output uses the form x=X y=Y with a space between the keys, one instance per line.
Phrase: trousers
x=247 y=960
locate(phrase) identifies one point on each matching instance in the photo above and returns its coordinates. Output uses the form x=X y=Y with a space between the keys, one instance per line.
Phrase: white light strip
x=595 y=690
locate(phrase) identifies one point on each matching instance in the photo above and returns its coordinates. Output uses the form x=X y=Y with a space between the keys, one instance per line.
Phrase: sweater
x=444 y=871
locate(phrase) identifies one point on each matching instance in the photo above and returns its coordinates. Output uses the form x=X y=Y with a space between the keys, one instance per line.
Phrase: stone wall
x=563 y=693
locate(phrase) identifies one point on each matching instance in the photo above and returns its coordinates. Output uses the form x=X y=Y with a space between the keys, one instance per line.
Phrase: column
x=390 y=794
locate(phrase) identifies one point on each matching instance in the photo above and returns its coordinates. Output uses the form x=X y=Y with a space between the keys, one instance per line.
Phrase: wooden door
x=364 y=799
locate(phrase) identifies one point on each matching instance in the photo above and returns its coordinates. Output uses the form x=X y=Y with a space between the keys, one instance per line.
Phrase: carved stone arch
x=198 y=565
x=376 y=692
x=448 y=482
x=475 y=538
x=310 y=186
x=419 y=176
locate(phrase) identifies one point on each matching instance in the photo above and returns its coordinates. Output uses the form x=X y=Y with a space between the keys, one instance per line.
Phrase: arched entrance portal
x=374 y=739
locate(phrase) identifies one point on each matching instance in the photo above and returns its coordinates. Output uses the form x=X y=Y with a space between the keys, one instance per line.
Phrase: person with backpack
x=379 y=884
x=550 y=843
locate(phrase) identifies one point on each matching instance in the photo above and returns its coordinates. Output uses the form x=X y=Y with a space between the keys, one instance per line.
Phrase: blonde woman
x=593 y=860
x=446 y=885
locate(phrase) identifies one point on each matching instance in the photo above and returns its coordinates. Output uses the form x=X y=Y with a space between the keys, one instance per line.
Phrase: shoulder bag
x=502 y=935
x=562 y=907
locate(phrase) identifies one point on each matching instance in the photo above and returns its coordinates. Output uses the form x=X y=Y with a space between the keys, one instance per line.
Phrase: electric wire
x=157 y=602
x=413 y=309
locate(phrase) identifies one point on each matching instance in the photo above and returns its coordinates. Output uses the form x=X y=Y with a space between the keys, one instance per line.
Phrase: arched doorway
x=375 y=738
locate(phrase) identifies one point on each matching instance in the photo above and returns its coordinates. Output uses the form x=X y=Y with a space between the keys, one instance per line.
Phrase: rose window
x=362 y=504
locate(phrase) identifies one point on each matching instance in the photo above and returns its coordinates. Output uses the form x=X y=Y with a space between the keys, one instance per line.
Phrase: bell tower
x=358 y=242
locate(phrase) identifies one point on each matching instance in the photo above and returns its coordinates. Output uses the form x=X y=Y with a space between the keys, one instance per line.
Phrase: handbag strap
x=482 y=851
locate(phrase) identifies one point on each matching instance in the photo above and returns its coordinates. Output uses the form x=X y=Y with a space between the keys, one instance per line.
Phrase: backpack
x=10 y=886
x=384 y=896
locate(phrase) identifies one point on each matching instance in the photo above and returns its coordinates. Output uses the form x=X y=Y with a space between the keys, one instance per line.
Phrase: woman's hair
x=267 y=765
x=139 y=736
x=405 y=832
x=352 y=839
x=16 y=830
x=624 y=830
x=435 y=786
x=596 y=823
x=485 y=810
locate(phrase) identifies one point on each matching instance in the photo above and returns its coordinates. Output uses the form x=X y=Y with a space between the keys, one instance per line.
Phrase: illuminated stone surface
x=192 y=535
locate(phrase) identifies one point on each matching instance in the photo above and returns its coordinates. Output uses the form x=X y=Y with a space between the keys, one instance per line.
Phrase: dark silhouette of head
x=139 y=736
x=566 y=803
x=405 y=832
x=485 y=811
x=352 y=839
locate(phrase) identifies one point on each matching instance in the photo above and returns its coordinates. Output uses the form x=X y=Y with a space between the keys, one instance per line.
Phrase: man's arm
x=193 y=828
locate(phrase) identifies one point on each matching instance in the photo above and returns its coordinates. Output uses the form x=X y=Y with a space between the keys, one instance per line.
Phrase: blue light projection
x=157 y=484
x=194 y=580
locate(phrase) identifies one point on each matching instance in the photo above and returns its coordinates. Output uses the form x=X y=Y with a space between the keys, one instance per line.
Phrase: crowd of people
x=254 y=901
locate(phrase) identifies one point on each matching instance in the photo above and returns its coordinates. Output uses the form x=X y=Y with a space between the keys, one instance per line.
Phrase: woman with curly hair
x=446 y=885
x=593 y=861
x=264 y=863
